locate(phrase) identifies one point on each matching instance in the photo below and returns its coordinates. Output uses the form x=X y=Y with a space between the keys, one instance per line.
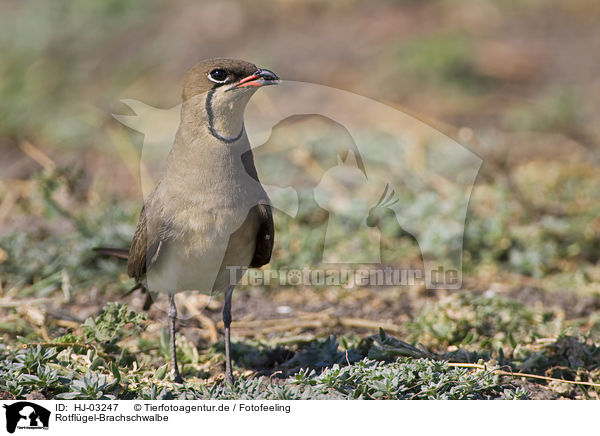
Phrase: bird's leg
x=172 y=317
x=227 y=325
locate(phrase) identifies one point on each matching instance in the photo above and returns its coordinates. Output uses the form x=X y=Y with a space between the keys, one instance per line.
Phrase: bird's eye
x=218 y=75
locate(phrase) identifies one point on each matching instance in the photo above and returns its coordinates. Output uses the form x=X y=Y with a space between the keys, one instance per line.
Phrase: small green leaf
x=161 y=372
x=115 y=371
x=382 y=334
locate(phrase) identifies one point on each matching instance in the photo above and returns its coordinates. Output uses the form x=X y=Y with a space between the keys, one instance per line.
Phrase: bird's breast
x=213 y=228
x=201 y=256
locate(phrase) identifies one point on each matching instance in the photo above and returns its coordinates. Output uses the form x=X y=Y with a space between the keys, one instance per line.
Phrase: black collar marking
x=211 y=120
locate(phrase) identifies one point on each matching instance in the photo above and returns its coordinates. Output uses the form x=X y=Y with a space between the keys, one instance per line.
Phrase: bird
x=208 y=217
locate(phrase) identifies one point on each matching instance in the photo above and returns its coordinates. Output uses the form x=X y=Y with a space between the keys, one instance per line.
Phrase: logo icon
x=26 y=415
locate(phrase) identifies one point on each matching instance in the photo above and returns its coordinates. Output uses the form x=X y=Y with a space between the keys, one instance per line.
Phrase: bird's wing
x=143 y=251
x=264 y=237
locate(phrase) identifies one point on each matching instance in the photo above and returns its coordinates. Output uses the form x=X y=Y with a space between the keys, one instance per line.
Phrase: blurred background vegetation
x=517 y=80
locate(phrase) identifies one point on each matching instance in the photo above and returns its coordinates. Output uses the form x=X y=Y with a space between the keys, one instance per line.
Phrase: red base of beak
x=263 y=78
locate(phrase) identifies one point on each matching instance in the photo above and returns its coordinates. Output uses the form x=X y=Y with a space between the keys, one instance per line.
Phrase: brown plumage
x=209 y=212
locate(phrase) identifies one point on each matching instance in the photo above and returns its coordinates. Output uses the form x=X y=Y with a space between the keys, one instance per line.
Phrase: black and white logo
x=26 y=415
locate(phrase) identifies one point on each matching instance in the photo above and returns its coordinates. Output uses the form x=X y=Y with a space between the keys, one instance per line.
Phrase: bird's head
x=228 y=79
x=222 y=88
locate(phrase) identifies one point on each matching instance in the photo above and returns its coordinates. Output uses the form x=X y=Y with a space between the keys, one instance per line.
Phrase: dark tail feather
x=149 y=297
x=121 y=253
x=149 y=300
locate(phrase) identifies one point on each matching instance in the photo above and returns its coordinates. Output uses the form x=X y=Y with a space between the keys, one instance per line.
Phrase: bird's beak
x=259 y=78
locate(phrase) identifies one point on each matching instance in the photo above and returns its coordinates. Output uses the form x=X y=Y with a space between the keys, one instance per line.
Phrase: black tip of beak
x=259 y=78
x=267 y=74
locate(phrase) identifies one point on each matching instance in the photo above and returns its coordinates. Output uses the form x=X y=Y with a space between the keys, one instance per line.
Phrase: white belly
x=204 y=260
x=210 y=228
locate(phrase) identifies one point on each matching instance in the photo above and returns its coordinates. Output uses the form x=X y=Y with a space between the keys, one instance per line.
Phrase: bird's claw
x=178 y=379
x=229 y=379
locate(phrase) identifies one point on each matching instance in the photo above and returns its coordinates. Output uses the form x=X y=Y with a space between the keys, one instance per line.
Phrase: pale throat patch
x=225 y=112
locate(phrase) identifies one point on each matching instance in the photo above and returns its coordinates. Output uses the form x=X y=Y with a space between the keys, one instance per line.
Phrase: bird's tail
x=149 y=296
x=121 y=253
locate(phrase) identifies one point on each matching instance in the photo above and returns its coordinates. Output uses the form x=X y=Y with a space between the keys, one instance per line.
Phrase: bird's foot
x=177 y=378
x=229 y=379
